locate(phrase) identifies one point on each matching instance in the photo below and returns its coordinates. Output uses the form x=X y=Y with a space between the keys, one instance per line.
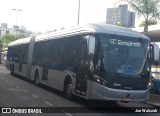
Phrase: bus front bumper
x=100 y=92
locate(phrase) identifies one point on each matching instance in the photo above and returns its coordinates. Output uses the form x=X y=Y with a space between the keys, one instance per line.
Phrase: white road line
x=35 y=96
x=48 y=103
x=2 y=78
x=68 y=114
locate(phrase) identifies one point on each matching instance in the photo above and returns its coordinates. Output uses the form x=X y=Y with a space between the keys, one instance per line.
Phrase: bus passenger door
x=45 y=64
x=81 y=79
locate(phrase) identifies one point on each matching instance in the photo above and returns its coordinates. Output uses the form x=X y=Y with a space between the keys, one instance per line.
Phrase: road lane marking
x=68 y=114
x=48 y=103
x=35 y=96
x=2 y=78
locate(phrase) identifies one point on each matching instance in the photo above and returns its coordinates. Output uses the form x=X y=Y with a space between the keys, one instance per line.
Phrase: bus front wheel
x=68 y=90
x=36 y=81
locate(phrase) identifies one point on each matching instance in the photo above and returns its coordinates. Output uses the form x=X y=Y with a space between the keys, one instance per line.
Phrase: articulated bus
x=92 y=61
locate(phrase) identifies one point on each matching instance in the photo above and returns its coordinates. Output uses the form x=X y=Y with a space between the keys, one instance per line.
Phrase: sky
x=47 y=15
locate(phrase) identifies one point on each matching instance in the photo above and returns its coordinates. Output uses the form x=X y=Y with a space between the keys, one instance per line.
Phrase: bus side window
x=70 y=51
x=40 y=54
x=55 y=55
x=24 y=53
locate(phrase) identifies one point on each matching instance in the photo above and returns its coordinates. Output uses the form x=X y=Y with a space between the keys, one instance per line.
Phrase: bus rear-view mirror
x=155 y=54
x=91 y=44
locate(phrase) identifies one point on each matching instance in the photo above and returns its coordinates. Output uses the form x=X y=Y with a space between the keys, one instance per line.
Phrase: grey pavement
x=154 y=100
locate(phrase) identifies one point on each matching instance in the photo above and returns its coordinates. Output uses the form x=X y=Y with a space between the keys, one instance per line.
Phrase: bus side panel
x=40 y=70
x=23 y=73
x=55 y=78
x=33 y=71
x=16 y=68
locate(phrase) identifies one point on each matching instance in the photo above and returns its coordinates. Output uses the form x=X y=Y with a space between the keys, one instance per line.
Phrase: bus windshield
x=123 y=55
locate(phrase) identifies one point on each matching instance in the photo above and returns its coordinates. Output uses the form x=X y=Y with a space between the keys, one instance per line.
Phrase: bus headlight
x=98 y=80
x=101 y=81
x=149 y=85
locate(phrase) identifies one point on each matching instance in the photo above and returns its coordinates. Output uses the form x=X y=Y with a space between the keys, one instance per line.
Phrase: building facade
x=16 y=30
x=122 y=15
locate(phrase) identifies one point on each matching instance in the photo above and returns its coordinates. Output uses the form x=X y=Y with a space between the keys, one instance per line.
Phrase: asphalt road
x=17 y=92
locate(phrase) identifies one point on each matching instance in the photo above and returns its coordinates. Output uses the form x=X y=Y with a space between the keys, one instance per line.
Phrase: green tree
x=1 y=41
x=6 y=39
x=147 y=8
x=19 y=36
x=151 y=22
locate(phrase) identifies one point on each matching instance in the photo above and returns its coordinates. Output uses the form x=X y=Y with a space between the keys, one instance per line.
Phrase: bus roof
x=20 y=41
x=91 y=28
x=87 y=28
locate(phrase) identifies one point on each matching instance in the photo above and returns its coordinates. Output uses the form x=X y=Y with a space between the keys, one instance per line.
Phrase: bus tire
x=153 y=89
x=68 y=89
x=36 y=80
x=12 y=70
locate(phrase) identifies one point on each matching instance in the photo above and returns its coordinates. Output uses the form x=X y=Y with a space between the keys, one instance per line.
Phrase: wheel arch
x=36 y=77
x=68 y=78
x=36 y=73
